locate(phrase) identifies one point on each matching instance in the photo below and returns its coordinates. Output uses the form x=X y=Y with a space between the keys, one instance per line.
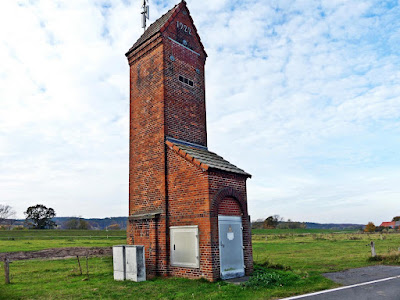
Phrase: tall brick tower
x=187 y=205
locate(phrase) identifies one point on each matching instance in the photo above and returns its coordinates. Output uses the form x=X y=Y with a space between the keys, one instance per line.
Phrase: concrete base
x=239 y=280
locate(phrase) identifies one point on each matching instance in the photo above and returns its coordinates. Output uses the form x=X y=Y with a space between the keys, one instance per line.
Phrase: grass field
x=18 y=234
x=302 y=255
x=299 y=231
x=31 y=240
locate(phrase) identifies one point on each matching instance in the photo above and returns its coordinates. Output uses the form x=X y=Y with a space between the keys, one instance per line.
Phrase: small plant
x=269 y=265
x=268 y=278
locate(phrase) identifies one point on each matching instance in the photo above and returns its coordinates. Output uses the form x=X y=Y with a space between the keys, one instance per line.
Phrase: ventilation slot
x=185 y=80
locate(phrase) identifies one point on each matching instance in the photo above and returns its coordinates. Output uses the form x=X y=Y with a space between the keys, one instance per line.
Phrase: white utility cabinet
x=129 y=263
x=119 y=262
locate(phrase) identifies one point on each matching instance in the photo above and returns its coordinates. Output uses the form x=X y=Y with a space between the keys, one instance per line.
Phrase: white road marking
x=340 y=288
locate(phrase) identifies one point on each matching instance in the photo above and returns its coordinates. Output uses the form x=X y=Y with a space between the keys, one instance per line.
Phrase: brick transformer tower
x=187 y=205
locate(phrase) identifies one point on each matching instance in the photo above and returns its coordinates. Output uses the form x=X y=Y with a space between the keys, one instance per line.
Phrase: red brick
x=161 y=177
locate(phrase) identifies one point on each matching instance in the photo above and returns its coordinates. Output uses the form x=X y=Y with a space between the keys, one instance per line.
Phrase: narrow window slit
x=186 y=80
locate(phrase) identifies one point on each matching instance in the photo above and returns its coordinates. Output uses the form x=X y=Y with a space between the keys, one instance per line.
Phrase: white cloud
x=302 y=94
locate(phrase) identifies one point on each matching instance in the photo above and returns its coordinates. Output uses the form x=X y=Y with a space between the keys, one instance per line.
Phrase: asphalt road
x=371 y=283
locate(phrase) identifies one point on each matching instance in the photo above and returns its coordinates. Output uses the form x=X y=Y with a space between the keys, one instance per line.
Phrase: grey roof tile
x=211 y=159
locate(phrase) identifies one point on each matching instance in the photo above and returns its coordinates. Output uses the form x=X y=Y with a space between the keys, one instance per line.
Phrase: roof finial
x=145 y=14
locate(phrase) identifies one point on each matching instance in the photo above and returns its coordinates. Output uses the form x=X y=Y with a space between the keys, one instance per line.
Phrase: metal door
x=231 y=246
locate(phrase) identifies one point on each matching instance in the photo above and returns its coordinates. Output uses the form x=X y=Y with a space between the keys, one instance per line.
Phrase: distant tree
x=114 y=227
x=70 y=224
x=40 y=217
x=395 y=219
x=84 y=225
x=94 y=225
x=76 y=223
x=6 y=212
x=370 y=227
x=380 y=228
x=270 y=222
x=289 y=224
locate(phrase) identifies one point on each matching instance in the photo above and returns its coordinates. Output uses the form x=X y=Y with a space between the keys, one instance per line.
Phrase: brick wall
x=146 y=156
x=188 y=204
x=229 y=207
x=185 y=113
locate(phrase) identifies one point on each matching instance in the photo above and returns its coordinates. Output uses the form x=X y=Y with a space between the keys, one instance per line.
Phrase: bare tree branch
x=6 y=212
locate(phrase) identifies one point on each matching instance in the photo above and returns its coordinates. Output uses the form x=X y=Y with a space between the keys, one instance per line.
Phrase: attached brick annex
x=174 y=180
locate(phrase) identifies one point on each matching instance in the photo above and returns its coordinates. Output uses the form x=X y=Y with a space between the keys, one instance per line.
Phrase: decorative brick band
x=227 y=192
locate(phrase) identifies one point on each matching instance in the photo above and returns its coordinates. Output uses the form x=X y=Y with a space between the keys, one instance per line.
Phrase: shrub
x=370 y=227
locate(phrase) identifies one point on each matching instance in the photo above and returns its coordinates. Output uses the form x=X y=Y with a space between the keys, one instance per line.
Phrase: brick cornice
x=145 y=48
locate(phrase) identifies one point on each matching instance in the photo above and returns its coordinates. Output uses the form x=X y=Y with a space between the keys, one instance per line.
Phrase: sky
x=302 y=94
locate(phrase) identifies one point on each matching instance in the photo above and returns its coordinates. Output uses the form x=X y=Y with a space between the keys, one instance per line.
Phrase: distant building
x=390 y=224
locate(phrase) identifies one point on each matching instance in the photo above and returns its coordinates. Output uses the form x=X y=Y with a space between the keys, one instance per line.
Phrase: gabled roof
x=161 y=24
x=200 y=156
x=388 y=224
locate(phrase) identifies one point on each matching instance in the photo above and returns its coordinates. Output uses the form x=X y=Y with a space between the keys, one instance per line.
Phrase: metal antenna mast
x=145 y=14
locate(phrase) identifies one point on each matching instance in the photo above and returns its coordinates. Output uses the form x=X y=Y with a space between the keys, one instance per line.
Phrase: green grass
x=321 y=252
x=299 y=231
x=32 y=240
x=60 y=279
x=32 y=233
x=288 y=264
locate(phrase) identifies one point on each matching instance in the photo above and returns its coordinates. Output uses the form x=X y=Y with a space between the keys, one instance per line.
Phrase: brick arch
x=228 y=192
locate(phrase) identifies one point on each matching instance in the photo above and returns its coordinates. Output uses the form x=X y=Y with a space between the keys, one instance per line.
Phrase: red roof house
x=388 y=224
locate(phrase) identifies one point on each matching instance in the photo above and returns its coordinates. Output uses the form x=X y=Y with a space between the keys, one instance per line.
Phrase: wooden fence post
x=79 y=263
x=87 y=265
x=7 y=270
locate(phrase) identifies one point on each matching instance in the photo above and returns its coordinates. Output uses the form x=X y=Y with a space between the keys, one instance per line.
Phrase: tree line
x=41 y=217
x=277 y=222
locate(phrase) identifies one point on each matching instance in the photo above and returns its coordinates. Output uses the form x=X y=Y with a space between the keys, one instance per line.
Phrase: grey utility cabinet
x=129 y=263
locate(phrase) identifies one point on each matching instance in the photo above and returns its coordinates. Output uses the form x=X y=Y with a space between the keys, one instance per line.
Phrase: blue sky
x=304 y=95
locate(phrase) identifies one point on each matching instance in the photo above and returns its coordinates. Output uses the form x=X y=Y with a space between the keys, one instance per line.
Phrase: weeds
x=265 y=263
x=391 y=258
x=269 y=278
